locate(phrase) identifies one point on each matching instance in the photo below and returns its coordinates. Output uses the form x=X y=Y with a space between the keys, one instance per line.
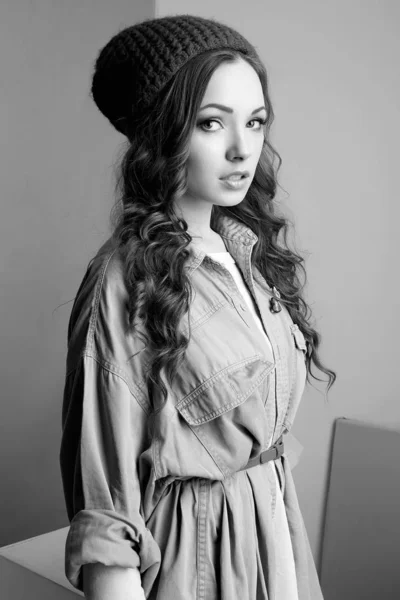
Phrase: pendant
x=274 y=305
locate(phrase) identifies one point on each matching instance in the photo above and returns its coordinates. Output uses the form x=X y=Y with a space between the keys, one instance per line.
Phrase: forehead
x=234 y=83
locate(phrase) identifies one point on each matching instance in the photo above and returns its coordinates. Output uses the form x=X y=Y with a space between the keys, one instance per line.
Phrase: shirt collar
x=236 y=235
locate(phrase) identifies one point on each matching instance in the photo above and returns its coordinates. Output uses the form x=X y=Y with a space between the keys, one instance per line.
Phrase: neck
x=197 y=215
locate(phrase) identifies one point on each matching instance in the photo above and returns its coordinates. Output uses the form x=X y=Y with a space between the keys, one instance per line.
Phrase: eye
x=203 y=123
x=260 y=121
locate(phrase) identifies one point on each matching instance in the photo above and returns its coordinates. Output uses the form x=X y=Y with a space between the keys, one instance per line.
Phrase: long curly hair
x=153 y=240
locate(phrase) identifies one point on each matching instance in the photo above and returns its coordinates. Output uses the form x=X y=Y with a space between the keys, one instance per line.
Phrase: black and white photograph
x=200 y=300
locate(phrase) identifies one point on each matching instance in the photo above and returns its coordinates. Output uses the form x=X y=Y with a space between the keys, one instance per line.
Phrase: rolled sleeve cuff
x=103 y=536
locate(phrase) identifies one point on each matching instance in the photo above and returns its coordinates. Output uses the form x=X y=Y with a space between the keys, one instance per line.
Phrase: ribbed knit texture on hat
x=138 y=61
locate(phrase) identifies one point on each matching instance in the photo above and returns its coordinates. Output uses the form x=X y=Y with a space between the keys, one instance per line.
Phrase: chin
x=227 y=204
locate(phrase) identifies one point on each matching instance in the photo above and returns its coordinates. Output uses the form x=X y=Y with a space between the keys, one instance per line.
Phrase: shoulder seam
x=96 y=302
x=114 y=370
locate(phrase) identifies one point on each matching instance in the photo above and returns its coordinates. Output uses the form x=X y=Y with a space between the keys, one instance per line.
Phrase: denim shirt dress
x=168 y=493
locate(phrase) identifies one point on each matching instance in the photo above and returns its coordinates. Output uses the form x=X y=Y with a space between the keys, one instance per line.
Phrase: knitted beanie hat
x=138 y=61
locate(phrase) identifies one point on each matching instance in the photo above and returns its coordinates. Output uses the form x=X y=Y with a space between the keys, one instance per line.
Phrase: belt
x=274 y=452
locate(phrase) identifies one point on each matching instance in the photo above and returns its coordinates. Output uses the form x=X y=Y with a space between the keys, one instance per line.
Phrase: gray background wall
x=335 y=89
x=56 y=188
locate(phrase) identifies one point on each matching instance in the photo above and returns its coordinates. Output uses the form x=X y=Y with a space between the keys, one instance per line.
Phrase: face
x=228 y=137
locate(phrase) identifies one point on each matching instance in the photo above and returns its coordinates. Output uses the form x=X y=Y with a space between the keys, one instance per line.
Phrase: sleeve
x=104 y=433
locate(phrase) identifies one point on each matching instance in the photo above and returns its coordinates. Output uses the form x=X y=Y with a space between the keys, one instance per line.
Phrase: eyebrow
x=229 y=110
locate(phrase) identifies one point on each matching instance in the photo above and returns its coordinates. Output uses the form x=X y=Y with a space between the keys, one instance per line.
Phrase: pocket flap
x=225 y=390
x=299 y=337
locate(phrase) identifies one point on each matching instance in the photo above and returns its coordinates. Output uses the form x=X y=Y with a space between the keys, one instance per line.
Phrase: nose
x=238 y=147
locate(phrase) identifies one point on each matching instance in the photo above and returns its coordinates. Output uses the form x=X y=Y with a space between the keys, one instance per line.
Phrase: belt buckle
x=277 y=447
x=273 y=452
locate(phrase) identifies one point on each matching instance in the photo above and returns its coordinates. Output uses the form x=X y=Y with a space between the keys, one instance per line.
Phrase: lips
x=236 y=176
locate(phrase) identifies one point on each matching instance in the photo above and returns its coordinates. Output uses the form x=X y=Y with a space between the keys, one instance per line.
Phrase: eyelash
x=261 y=121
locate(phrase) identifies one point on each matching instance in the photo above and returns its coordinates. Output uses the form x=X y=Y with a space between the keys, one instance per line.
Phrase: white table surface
x=43 y=556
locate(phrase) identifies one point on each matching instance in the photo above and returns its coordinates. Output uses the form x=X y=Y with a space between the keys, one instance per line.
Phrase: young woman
x=189 y=343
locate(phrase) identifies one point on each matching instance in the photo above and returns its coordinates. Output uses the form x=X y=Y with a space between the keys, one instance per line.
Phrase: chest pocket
x=298 y=374
x=227 y=413
x=299 y=339
x=298 y=358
